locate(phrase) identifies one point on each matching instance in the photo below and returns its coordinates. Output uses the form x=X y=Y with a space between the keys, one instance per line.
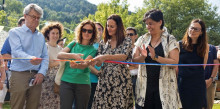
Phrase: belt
x=31 y=71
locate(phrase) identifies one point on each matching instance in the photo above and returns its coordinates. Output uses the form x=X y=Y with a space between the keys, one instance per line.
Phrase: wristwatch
x=213 y=79
x=155 y=57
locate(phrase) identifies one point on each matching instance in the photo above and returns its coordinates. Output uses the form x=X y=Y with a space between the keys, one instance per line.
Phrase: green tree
x=120 y=7
x=179 y=13
x=136 y=20
x=14 y=6
x=104 y=10
x=70 y=37
x=13 y=11
x=69 y=31
x=2 y=17
x=64 y=10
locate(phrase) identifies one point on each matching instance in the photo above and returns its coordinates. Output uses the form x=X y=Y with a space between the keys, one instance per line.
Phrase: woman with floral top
x=114 y=89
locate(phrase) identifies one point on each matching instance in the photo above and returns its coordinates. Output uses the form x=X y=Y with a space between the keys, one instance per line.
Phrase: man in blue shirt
x=6 y=49
x=210 y=74
x=27 y=42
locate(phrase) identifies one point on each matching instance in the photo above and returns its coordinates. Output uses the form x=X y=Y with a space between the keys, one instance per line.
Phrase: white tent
x=3 y=36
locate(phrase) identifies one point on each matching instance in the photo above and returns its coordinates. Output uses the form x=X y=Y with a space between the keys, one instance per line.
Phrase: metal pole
x=3 y=4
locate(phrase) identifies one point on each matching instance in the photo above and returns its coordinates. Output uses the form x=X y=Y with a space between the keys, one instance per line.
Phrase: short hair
x=78 y=32
x=52 y=25
x=156 y=15
x=132 y=28
x=37 y=8
x=120 y=32
x=21 y=20
x=98 y=23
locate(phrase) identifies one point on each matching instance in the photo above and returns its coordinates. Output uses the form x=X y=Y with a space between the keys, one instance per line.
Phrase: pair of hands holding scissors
x=80 y=63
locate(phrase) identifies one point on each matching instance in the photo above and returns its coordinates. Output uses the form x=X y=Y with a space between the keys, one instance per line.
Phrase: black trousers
x=70 y=92
x=92 y=94
x=152 y=100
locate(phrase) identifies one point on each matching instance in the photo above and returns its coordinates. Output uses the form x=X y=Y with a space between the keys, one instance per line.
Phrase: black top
x=190 y=58
x=191 y=80
x=153 y=72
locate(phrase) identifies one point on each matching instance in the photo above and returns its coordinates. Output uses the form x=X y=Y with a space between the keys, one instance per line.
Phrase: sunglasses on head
x=194 y=28
x=89 y=31
x=130 y=34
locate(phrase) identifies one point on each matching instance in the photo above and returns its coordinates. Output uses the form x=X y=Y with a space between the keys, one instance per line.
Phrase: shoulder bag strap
x=73 y=46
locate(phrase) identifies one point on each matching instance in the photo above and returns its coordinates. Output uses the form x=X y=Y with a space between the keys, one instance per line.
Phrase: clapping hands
x=143 y=51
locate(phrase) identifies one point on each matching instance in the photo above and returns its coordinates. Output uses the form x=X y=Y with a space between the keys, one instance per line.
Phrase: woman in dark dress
x=191 y=80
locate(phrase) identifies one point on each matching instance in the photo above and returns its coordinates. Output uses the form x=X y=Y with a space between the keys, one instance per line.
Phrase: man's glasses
x=34 y=17
x=89 y=31
x=194 y=28
x=130 y=34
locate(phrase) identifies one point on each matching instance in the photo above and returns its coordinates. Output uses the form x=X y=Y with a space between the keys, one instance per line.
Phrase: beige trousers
x=211 y=95
x=21 y=93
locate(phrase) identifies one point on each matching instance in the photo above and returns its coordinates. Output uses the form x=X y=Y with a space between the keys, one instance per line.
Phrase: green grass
x=6 y=105
x=216 y=106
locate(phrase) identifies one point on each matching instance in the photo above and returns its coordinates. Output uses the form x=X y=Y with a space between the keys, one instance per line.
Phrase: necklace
x=155 y=43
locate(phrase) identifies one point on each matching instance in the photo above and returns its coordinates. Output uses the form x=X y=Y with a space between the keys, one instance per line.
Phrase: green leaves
x=12 y=12
x=177 y=14
x=2 y=17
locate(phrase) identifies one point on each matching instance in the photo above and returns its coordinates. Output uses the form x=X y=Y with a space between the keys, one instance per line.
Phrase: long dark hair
x=201 y=41
x=120 y=32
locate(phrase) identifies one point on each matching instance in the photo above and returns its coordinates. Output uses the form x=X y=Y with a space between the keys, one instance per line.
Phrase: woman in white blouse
x=156 y=86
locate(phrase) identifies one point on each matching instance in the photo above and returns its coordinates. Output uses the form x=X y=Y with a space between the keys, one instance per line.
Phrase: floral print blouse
x=169 y=94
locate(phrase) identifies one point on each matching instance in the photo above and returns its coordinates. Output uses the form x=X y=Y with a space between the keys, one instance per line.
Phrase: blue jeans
x=134 y=78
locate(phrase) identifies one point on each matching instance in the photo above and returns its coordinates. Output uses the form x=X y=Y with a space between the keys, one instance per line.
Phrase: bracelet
x=155 y=57
x=213 y=79
x=2 y=81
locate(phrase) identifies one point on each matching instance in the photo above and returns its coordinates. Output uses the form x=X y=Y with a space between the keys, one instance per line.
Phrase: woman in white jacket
x=156 y=86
